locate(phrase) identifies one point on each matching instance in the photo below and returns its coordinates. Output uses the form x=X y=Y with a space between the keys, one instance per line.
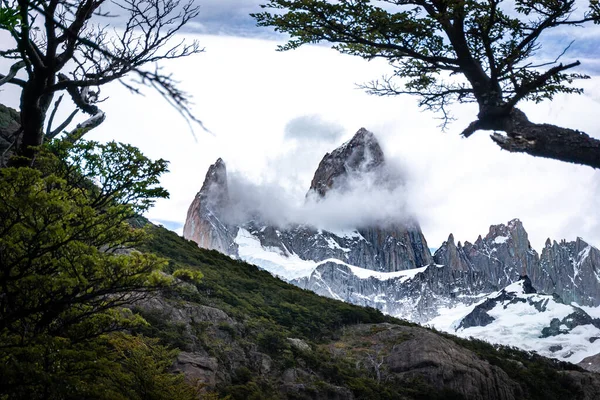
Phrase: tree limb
x=12 y=72
x=540 y=140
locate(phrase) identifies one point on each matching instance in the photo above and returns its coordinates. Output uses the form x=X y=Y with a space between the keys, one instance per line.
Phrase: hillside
x=245 y=334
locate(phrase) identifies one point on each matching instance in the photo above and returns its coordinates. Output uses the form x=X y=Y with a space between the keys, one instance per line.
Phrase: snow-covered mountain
x=519 y=316
x=388 y=265
x=385 y=247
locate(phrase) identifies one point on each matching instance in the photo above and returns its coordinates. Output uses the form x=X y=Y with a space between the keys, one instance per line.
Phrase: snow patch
x=285 y=266
x=520 y=324
x=500 y=239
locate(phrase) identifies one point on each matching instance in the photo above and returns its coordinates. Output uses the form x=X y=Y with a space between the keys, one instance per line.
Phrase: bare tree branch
x=12 y=72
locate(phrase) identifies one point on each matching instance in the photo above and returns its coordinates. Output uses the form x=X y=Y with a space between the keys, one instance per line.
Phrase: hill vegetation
x=348 y=348
x=97 y=303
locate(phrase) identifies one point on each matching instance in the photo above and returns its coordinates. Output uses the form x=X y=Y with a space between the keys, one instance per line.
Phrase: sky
x=272 y=116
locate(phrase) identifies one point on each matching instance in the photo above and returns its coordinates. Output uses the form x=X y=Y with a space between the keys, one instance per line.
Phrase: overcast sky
x=273 y=116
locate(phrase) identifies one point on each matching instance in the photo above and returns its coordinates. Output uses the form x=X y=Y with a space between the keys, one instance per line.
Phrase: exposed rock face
x=393 y=247
x=571 y=270
x=501 y=257
x=453 y=256
x=416 y=295
x=417 y=353
x=361 y=154
x=520 y=316
x=204 y=223
x=197 y=369
x=591 y=363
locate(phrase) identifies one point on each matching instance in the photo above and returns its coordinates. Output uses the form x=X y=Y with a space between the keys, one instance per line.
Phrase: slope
x=246 y=334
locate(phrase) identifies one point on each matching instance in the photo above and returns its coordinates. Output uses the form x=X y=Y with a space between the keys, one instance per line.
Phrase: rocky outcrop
x=500 y=257
x=361 y=154
x=591 y=363
x=416 y=295
x=9 y=125
x=198 y=370
x=408 y=353
x=393 y=247
x=453 y=256
x=571 y=270
x=204 y=223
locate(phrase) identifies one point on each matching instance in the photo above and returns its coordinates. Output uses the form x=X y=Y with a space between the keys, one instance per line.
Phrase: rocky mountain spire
x=360 y=154
x=570 y=269
x=204 y=224
x=501 y=256
x=452 y=256
x=215 y=189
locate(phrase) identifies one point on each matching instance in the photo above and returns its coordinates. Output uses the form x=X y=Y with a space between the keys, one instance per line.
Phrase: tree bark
x=539 y=140
x=34 y=105
x=548 y=141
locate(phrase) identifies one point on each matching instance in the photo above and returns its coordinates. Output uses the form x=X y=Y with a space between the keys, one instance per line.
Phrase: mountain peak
x=360 y=154
x=214 y=191
x=216 y=175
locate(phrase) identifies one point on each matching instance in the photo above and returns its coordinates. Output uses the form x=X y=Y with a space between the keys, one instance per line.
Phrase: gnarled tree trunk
x=540 y=140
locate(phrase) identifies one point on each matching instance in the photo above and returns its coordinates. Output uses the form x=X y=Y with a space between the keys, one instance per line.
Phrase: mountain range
x=387 y=264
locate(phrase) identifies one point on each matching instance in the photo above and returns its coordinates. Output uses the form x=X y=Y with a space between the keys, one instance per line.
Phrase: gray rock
x=591 y=363
x=204 y=223
x=571 y=270
x=500 y=257
x=393 y=247
x=299 y=344
x=416 y=298
x=360 y=154
x=422 y=354
x=198 y=370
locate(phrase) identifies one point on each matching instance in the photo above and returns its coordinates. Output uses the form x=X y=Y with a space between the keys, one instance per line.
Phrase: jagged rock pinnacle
x=362 y=153
x=215 y=177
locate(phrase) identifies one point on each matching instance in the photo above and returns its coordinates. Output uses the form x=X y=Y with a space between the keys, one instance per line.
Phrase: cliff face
x=416 y=295
x=361 y=154
x=500 y=257
x=204 y=223
x=389 y=247
x=569 y=269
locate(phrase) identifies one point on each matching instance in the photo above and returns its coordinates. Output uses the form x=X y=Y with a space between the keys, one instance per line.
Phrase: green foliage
x=143 y=370
x=428 y=42
x=244 y=291
x=111 y=367
x=188 y=275
x=269 y=311
x=68 y=268
x=9 y=16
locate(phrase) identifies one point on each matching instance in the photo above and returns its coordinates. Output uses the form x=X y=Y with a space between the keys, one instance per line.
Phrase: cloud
x=376 y=198
x=313 y=128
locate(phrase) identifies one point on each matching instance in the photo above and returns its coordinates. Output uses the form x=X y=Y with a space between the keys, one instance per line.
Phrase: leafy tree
x=68 y=268
x=447 y=51
x=67 y=47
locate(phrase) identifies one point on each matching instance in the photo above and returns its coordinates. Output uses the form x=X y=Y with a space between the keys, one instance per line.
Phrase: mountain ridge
x=390 y=268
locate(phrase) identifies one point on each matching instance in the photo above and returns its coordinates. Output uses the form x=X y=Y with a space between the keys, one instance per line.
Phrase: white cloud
x=373 y=198
x=247 y=93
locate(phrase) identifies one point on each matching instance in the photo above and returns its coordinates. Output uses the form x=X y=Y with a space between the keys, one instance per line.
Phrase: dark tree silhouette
x=68 y=47
x=448 y=51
